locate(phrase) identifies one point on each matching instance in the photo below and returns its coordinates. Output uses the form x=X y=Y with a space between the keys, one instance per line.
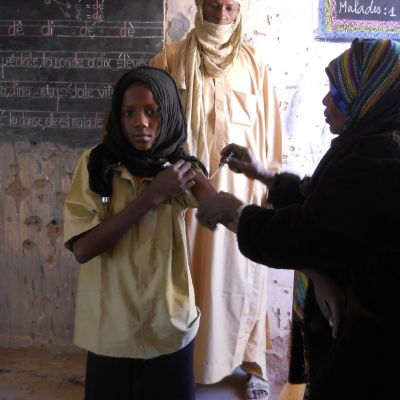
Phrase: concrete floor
x=36 y=374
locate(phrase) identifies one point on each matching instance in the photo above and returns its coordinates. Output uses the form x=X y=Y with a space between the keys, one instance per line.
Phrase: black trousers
x=169 y=376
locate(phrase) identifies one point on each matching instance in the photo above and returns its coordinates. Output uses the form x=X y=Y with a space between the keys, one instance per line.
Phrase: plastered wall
x=38 y=277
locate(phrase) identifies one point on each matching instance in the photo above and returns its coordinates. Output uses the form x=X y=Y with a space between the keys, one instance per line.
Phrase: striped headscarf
x=209 y=49
x=365 y=79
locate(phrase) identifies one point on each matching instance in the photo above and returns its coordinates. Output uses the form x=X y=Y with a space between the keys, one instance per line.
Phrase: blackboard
x=348 y=19
x=61 y=58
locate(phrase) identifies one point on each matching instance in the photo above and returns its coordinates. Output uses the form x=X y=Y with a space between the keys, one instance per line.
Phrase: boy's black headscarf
x=168 y=145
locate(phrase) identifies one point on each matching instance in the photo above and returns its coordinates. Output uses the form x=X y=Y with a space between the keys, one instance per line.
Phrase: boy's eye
x=151 y=112
x=127 y=114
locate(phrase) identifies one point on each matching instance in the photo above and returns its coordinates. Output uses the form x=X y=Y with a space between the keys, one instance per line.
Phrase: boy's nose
x=141 y=119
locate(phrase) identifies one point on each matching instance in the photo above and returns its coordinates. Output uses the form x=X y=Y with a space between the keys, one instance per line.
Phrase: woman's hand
x=221 y=208
x=173 y=180
x=330 y=298
x=241 y=160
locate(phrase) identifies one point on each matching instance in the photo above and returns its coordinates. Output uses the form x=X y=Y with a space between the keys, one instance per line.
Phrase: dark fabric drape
x=115 y=148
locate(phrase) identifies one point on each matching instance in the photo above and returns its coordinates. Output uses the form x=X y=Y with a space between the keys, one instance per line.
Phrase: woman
x=343 y=224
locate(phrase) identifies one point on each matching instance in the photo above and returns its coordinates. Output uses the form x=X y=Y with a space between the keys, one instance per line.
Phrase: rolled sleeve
x=83 y=209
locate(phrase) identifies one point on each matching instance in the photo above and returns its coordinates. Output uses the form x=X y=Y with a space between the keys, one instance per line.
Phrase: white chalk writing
x=62 y=90
x=48 y=120
x=357 y=7
x=83 y=28
x=113 y=61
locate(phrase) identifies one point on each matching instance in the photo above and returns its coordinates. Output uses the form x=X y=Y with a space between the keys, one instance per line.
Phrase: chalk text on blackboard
x=48 y=120
x=354 y=7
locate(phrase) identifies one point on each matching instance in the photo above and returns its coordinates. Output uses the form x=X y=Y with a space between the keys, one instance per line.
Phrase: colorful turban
x=364 y=76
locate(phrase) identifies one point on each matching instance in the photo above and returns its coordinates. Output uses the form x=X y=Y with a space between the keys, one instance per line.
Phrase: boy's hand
x=174 y=180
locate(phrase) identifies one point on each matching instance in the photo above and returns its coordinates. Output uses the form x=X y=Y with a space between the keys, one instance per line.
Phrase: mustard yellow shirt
x=135 y=300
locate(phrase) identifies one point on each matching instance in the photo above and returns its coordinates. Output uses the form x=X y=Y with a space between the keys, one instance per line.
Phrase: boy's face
x=140 y=117
x=220 y=12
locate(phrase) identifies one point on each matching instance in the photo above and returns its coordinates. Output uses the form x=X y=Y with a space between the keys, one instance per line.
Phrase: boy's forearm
x=108 y=233
x=203 y=187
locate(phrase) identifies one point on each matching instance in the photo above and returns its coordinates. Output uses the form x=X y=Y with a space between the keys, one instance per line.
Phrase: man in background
x=227 y=97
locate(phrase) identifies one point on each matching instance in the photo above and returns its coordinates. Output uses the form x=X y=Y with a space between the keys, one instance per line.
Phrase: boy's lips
x=142 y=137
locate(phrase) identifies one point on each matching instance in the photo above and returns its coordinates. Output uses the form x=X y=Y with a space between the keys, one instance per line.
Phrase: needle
x=216 y=171
x=221 y=164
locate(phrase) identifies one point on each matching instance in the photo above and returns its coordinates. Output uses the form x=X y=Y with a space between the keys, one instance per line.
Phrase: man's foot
x=257 y=388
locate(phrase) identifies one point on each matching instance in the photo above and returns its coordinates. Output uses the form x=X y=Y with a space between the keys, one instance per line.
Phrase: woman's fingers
x=236 y=165
x=234 y=151
x=217 y=209
x=230 y=148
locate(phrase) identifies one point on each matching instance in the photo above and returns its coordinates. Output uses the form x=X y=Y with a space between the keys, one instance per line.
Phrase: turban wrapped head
x=365 y=80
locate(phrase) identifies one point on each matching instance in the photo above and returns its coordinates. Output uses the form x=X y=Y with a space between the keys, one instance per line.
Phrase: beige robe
x=231 y=291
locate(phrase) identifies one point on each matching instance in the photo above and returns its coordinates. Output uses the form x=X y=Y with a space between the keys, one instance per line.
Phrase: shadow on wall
x=178 y=27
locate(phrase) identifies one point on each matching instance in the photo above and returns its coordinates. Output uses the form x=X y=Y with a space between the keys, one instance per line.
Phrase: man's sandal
x=257 y=388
